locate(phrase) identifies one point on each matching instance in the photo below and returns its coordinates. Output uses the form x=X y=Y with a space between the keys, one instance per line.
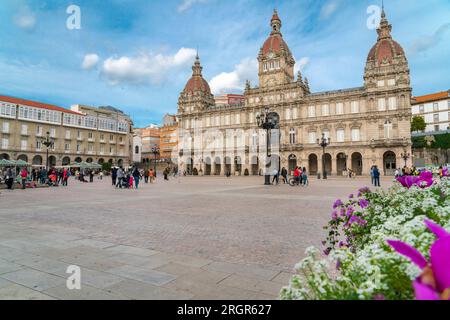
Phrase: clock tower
x=276 y=63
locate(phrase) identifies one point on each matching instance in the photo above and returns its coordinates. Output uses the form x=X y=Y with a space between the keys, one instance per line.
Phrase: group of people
x=300 y=176
x=24 y=177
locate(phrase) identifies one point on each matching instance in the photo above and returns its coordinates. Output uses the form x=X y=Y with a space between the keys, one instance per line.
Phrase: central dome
x=274 y=44
x=197 y=83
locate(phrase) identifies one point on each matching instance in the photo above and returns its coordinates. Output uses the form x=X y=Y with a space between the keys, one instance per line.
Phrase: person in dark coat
x=376 y=176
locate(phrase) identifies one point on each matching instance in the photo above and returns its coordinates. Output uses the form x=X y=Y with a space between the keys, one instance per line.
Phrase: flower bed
x=357 y=261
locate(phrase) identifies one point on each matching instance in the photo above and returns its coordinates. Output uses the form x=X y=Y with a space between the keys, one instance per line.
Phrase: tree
x=418 y=124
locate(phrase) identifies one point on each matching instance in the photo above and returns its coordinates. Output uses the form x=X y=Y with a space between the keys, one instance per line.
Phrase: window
x=340 y=108
x=217 y=121
x=326 y=134
x=355 y=106
x=356 y=136
x=23 y=145
x=254 y=139
x=392 y=103
x=340 y=135
x=388 y=130
x=436 y=117
x=5 y=143
x=435 y=106
x=311 y=111
x=120 y=139
x=67 y=134
x=312 y=137
x=227 y=120
x=380 y=83
x=391 y=82
x=421 y=108
x=39 y=131
x=136 y=149
x=111 y=137
x=436 y=128
x=294 y=113
x=238 y=118
x=8 y=110
x=52 y=132
x=381 y=104
x=90 y=147
x=79 y=134
x=292 y=136
x=78 y=147
x=102 y=137
x=38 y=145
x=5 y=127
x=67 y=146
x=91 y=135
x=102 y=148
x=326 y=110
x=24 y=129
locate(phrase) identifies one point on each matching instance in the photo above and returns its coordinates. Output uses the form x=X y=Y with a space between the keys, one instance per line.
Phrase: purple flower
x=338 y=203
x=445 y=172
x=327 y=251
x=434 y=282
x=424 y=180
x=334 y=216
x=364 y=190
x=363 y=203
x=338 y=264
x=379 y=297
x=350 y=211
x=351 y=196
x=343 y=212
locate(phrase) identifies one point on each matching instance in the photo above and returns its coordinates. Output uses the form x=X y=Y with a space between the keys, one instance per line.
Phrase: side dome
x=197 y=83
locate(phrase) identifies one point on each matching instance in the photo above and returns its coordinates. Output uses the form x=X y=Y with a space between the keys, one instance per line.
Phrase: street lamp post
x=266 y=121
x=405 y=156
x=47 y=142
x=324 y=142
x=155 y=151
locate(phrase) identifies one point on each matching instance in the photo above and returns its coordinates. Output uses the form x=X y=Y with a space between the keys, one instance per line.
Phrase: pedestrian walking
x=136 y=176
x=24 y=176
x=284 y=174
x=376 y=176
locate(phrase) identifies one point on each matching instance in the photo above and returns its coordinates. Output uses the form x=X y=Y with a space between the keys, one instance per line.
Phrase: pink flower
x=363 y=203
x=338 y=203
x=434 y=282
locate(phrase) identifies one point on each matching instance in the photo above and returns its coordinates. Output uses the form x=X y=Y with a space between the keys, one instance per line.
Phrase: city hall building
x=368 y=125
x=79 y=134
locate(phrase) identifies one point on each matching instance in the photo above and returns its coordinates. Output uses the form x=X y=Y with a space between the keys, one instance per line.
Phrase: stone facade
x=81 y=133
x=368 y=125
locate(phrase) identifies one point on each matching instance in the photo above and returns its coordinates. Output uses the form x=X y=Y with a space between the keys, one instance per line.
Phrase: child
x=131 y=182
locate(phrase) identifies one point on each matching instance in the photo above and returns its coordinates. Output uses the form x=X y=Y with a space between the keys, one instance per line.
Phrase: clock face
x=270 y=55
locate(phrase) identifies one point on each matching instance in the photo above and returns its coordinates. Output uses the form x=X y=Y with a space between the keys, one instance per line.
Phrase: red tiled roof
x=386 y=48
x=274 y=43
x=197 y=83
x=35 y=104
x=432 y=97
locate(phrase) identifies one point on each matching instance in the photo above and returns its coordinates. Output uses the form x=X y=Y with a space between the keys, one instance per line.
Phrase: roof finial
x=383 y=14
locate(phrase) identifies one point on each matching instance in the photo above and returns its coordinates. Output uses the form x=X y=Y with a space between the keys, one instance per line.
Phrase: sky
x=137 y=55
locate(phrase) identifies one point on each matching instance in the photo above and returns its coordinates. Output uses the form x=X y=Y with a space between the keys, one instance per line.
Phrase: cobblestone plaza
x=189 y=238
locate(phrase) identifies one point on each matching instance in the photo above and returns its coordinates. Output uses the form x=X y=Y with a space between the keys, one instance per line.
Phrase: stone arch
x=255 y=166
x=357 y=163
x=341 y=163
x=78 y=159
x=389 y=163
x=37 y=161
x=328 y=163
x=238 y=164
x=313 y=167
x=51 y=161
x=23 y=157
x=292 y=163
x=227 y=164
x=101 y=161
x=120 y=162
x=4 y=156
x=65 y=161
x=217 y=166
x=89 y=160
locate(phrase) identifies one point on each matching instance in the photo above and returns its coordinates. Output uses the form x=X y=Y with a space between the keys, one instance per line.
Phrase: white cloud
x=90 y=61
x=328 y=9
x=25 y=18
x=146 y=67
x=426 y=42
x=227 y=82
x=300 y=65
x=187 y=4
